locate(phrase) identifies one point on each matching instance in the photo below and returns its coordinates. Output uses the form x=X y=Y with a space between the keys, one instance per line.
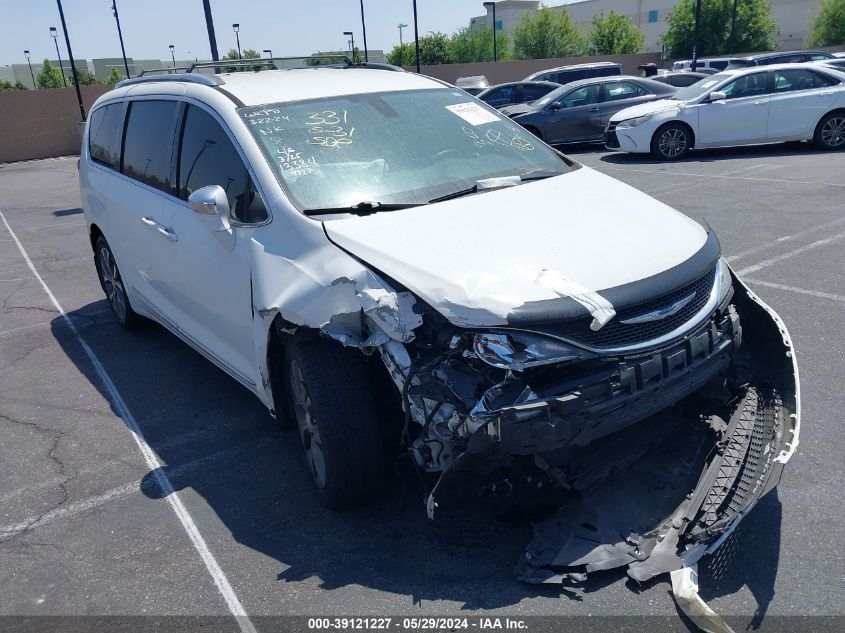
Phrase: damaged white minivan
x=393 y=267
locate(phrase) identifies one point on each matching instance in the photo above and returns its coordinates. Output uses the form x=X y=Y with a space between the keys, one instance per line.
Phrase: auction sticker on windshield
x=472 y=113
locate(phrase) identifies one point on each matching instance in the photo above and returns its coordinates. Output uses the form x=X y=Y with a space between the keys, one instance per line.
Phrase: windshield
x=690 y=93
x=405 y=147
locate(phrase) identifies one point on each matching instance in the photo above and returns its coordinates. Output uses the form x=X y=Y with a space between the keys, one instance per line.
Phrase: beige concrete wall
x=500 y=72
x=42 y=123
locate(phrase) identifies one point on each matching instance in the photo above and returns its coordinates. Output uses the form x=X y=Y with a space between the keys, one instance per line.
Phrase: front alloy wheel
x=671 y=142
x=831 y=132
x=307 y=424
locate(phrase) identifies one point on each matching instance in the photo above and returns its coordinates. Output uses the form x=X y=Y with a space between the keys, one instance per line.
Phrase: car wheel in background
x=330 y=399
x=671 y=142
x=112 y=284
x=830 y=132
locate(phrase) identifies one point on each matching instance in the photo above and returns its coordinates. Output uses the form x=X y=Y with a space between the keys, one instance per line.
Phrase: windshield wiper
x=540 y=174
x=363 y=208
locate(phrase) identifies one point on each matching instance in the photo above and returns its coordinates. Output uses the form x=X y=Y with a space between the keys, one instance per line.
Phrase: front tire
x=830 y=132
x=330 y=399
x=112 y=284
x=671 y=142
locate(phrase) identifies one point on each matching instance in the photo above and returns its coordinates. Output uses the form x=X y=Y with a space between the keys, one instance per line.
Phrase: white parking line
x=798 y=251
x=661 y=172
x=785 y=238
x=707 y=183
x=803 y=291
x=211 y=564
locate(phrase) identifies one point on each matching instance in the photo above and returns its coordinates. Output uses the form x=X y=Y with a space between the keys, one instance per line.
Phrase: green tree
x=85 y=77
x=547 y=33
x=403 y=55
x=7 y=85
x=476 y=45
x=49 y=76
x=434 y=48
x=322 y=58
x=114 y=76
x=755 y=28
x=614 y=35
x=247 y=53
x=829 y=25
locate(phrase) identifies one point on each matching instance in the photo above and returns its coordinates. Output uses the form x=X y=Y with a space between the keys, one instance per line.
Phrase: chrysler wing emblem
x=660 y=313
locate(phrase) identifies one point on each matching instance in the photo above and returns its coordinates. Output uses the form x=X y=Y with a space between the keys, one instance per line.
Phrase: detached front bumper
x=659 y=459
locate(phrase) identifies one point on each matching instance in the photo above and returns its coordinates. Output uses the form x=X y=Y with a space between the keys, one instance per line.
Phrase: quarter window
x=208 y=157
x=103 y=135
x=147 y=142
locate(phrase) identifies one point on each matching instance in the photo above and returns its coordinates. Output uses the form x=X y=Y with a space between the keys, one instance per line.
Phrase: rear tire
x=830 y=132
x=112 y=284
x=330 y=399
x=671 y=142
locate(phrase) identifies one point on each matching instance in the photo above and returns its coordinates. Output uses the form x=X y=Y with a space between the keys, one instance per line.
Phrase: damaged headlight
x=521 y=350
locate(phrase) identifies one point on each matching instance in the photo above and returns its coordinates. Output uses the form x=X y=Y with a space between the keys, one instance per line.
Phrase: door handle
x=158 y=226
x=760 y=102
x=594 y=109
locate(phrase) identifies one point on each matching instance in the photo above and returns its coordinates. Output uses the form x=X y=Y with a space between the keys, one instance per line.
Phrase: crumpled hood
x=479 y=258
x=642 y=109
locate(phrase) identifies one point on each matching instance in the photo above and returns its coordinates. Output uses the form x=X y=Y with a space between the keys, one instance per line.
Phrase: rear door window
x=147 y=142
x=208 y=157
x=793 y=79
x=617 y=90
x=104 y=135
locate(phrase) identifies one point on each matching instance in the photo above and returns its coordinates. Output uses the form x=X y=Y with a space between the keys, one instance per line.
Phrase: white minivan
x=394 y=268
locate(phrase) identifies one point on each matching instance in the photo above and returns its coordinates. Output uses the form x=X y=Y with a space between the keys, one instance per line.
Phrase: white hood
x=642 y=109
x=478 y=258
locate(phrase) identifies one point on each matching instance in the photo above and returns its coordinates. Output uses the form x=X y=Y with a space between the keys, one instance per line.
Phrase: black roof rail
x=205 y=80
x=258 y=62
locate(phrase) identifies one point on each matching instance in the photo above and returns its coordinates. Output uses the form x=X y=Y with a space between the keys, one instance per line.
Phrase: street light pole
x=237 y=29
x=352 y=45
x=493 y=5
x=72 y=63
x=695 y=35
x=172 y=56
x=120 y=35
x=364 y=29
x=416 y=37
x=209 y=25
x=55 y=37
x=31 y=74
x=401 y=26
x=269 y=51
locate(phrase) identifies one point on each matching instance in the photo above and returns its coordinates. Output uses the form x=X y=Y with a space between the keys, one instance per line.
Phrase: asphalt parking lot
x=86 y=528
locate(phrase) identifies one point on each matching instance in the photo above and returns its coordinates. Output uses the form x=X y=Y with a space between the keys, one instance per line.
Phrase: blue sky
x=288 y=27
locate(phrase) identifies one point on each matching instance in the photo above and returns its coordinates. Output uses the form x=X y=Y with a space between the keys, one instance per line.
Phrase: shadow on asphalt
x=257 y=485
x=715 y=155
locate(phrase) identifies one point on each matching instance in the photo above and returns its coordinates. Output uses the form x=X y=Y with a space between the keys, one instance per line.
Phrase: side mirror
x=554 y=106
x=212 y=200
x=717 y=96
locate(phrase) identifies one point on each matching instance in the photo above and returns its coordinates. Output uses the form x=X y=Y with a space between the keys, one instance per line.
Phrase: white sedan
x=785 y=102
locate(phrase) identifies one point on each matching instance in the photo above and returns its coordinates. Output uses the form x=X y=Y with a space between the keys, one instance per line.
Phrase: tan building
x=793 y=16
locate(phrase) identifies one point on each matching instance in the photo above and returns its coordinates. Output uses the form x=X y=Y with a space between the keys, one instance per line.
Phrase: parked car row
x=671 y=113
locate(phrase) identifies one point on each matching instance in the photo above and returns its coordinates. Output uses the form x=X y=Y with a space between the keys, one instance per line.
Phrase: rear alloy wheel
x=330 y=398
x=671 y=142
x=830 y=133
x=113 y=286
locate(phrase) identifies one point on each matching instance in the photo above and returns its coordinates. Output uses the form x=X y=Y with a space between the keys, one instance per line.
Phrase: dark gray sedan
x=579 y=111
